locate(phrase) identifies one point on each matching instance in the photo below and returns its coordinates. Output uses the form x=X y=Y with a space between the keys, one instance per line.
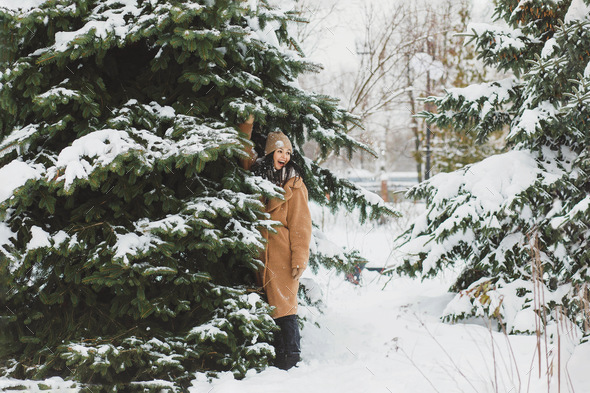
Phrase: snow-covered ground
x=375 y=339
x=386 y=336
x=374 y=240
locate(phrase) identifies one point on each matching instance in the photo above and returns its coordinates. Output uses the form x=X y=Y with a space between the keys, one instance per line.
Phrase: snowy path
x=391 y=340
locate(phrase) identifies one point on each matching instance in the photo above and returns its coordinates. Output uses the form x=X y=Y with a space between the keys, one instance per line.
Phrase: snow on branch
x=531 y=120
x=19 y=140
x=102 y=148
x=497 y=91
x=99 y=148
x=478 y=108
x=106 y=19
x=504 y=37
x=15 y=174
x=468 y=200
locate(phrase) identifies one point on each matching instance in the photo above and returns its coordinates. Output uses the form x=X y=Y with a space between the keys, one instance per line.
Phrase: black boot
x=288 y=349
x=291 y=360
x=279 y=348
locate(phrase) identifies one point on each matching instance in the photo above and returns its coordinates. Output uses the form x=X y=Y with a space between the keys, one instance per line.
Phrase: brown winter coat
x=286 y=249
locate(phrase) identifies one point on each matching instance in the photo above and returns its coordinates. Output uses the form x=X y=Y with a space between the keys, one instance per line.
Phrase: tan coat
x=286 y=249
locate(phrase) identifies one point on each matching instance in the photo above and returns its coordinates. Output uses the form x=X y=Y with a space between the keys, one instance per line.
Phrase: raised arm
x=246 y=128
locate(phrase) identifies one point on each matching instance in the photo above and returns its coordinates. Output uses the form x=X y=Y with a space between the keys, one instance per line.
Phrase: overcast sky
x=338 y=33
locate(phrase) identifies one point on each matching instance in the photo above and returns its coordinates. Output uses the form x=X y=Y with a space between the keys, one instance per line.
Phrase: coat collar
x=292 y=183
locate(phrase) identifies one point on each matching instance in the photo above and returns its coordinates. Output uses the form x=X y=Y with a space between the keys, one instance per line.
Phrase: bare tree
x=402 y=54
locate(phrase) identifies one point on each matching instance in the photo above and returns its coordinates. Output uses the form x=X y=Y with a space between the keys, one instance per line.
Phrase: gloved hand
x=297 y=272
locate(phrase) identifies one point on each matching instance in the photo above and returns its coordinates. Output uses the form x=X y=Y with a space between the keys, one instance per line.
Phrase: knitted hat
x=277 y=140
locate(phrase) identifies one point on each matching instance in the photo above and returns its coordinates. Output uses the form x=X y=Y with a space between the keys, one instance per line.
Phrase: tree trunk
x=428 y=108
x=414 y=123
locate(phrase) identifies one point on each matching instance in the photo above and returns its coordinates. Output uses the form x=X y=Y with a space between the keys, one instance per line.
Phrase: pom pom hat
x=277 y=140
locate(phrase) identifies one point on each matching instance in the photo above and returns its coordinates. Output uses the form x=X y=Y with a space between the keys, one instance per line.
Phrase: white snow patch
x=6 y=234
x=321 y=245
x=114 y=22
x=166 y=112
x=14 y=175
x=155 y=383
x=16 y=139
x=500 y=90
x=132 y=244
x=39 y=239
x=577 y=366
x=104 y=145
x=549 y=48
x=493 y=181
x=505 y=37
x=578 y=10
x=59 y=238
x=80 y=349
x=530 y=120
x=59 y=91
x=524 y=321
x=581 y=207
x=207 y=332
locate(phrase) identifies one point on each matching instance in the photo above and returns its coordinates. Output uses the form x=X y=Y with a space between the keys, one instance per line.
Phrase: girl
x=287 y=251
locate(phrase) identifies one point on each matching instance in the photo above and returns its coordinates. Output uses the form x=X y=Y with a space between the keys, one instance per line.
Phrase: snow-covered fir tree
x=516 y=225
x=452 y=150
x=129 y=231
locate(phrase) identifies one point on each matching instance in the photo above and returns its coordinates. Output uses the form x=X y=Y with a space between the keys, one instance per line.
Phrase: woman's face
x=281 y=157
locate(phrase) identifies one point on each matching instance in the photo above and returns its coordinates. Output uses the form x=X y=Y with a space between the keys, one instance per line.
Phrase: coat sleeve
x=299 y=223
x=246 y=129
